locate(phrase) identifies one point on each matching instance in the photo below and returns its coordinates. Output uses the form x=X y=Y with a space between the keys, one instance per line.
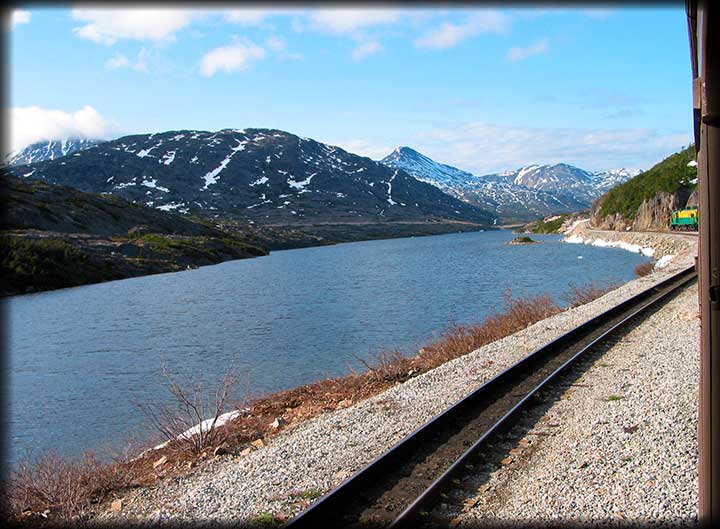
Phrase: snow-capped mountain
x=446 y=177
x=604 y=181
x=49 y=150
x=264 y=175
x=562 y=177
x=522 y=194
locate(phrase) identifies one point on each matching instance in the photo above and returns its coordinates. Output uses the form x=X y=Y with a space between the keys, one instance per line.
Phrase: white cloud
x=518 y=53
x=249 y=16
x=107 y=26
x=19 y=16
x=253 y=16
x=348 y=20
x=230 y=58
x=276 y=44
x=119 y=61
x=366 y=48
x=31 y=124
x=484 y=148
x=449 y=34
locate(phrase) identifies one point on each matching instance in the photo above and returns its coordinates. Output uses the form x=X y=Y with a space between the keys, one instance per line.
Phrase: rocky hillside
x=647 y=201
x=257 y=175
x=527 y=193
x=56 y=236
x=49 y=150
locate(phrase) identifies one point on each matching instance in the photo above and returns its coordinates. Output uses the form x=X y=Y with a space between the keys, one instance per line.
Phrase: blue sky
x=481 y=88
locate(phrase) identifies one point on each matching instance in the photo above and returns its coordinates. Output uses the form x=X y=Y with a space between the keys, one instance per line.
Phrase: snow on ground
x=153 y=184
x=260 y=181
x=146 y=152
x=212 y=177
x=300 y=184
x=389 y=184
x=664 y=260
x=602 y=243
x=171 y=206
x=168 y=158
x=126 y=184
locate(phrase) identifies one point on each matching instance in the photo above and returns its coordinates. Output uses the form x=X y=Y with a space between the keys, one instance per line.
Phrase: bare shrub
x=644 y=269
x=190 y=423
x=587 y=293
x=462 y=339
x=60 y=487
x=387 y=366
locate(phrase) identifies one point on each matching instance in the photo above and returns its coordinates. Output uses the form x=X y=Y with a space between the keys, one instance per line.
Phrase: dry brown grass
x=55 y=487
x=70 y=489
x=644 y=269
x=587 y=293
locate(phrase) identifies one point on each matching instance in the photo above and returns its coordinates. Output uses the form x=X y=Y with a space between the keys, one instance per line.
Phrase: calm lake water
x=79 y=359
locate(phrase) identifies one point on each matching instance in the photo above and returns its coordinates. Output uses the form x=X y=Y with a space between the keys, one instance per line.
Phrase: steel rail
x=331 y=509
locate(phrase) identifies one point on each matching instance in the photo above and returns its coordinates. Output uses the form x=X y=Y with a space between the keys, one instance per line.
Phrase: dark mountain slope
x=56 y=236
x=260 y=175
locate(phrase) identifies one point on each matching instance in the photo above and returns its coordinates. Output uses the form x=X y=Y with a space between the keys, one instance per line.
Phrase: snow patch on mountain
x=212 y=177
x=49 y=150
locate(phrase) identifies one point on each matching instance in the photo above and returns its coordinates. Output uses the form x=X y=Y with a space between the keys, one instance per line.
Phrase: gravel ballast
x=619 y=445
x=311 y=458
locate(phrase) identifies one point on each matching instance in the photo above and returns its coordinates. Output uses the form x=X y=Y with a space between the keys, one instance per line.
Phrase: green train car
x=684 y=219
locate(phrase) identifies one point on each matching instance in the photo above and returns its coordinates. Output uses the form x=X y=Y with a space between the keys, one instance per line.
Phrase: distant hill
x=646 y=201
x=256 y=175
x=49 y=150
x=527 y=193
x=56 y=236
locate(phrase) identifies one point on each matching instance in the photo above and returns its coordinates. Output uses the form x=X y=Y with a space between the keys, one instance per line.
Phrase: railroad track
x=395 y=488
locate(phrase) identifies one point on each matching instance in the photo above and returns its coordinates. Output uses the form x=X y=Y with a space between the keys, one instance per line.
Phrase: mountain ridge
x=526 y=193
x=258 y=175
x=49 y=150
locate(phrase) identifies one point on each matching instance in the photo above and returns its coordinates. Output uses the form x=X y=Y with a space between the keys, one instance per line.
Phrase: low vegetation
x=581 y=295
x=56 y=236
x=644 y=269
x=51 y=487
x=547 y=225
x=189 y=423
x=673 y=174
x=212 y=249
x=522 y=240
x=29 y=265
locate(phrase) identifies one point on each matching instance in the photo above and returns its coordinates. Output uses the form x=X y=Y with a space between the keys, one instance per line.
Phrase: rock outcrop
x=652 y=215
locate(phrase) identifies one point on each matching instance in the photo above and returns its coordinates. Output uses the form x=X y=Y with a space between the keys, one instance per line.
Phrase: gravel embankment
x=661 y=244
x=619 y=446
x=318 y=454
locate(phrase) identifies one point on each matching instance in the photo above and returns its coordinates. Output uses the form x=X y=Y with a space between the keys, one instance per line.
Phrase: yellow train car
x=684 y=219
